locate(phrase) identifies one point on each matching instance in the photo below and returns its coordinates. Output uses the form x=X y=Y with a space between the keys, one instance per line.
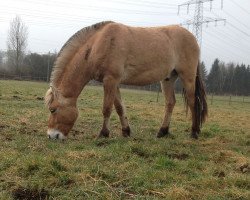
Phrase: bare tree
x=16 y=43
x=222 y=76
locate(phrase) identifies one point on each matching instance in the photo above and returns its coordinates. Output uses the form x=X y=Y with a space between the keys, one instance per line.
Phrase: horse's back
x=144 y=55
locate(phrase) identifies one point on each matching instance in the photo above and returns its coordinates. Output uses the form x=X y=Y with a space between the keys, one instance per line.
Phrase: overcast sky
x=50 y=23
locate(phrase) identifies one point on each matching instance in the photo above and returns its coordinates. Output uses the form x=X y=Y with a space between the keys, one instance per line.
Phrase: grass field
x=217 y=166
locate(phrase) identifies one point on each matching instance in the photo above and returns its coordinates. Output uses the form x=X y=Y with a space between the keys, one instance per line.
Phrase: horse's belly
x=137 y=76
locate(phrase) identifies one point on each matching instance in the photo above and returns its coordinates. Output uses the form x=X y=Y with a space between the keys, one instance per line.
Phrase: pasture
x=216 y=166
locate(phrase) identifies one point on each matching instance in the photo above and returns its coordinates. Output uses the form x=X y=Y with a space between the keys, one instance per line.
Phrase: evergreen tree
x=230 y=67
x=236 y=80
x=203 y=72
x=248 y=81
x=222 y=77
x=213 y=77
x=243 y=80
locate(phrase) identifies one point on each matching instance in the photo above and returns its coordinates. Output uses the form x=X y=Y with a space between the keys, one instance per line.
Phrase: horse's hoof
x=194 y=135
x=162 y=132
x=126 y=132
x=103 y=134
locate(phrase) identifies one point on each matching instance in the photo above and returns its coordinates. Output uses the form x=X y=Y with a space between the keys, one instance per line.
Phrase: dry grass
x=141 y=167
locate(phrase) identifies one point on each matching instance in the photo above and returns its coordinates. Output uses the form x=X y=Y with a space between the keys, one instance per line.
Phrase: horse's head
x=63 y=114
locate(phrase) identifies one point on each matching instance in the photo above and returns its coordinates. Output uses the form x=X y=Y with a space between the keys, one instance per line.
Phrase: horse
x=115 y=54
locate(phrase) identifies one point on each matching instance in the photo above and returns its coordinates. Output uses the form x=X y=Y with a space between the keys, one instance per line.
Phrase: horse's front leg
x=110 y=85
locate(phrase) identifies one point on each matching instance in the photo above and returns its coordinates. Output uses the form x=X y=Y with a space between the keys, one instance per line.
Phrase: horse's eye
x=52 y=110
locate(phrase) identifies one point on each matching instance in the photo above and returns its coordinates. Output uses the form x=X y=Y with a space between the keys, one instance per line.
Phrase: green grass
x=140 y=167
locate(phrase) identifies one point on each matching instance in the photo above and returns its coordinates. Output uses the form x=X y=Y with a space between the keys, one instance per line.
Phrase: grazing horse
x=115 y=54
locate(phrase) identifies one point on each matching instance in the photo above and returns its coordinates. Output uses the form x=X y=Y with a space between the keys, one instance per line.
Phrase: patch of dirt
x=40 y=98
x=244 y=168
x=76 y=132
x=30 y=194
x=3 y=126
x=102 y=143
x=179 y=156
x=8 y=138
x=23 y=123
x=138 y=139
x=16 y=97
x=140 y=152
x=25 y=130
x=219 y=174
x=187 y=130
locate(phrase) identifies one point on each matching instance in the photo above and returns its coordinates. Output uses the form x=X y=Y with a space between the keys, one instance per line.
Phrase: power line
x=235 y=27
x=235 y=36
x=220 y=38
x=37 y=20
x=219 y=50
x=242 y=8
x=211 y=48
x=98 y=8
x=247 y=27
x=146 y=4
x=199 y=19
x=238 y=55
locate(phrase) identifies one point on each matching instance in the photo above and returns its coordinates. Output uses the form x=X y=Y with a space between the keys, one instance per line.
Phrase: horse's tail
x=200 y=105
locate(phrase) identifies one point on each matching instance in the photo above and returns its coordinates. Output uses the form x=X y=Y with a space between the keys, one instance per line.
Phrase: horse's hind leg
x=110 y=86
x=120 y=109
x=167 y=86
x=189 y=86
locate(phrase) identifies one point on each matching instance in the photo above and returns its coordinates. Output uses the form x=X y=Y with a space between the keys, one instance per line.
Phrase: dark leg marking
x=195 y=133
x=126 y=131
x=163 y=132
x=104 y=133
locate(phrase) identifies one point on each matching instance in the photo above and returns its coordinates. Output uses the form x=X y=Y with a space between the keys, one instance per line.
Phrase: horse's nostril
x=49 y=136
x=57 y=136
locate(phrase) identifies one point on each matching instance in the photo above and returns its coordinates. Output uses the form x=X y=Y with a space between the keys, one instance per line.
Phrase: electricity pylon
x=199 y=19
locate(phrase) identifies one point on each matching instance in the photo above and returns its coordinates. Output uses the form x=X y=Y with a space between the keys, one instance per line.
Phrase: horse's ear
x=49 y=96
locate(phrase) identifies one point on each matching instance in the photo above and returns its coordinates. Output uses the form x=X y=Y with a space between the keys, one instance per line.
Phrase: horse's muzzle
x=55 y=134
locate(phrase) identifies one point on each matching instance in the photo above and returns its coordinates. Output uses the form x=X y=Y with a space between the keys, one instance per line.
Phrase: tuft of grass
x=165 y=163
x=58 y=166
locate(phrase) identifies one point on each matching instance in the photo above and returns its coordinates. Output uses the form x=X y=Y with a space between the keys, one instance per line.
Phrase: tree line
x=33 y=65
x=228 y=78
x=223 y=78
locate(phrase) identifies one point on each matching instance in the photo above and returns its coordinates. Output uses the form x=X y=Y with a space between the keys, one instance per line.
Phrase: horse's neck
x=73 y=81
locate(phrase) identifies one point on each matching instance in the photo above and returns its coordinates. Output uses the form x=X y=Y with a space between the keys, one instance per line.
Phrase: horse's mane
x=65 y=55
x=70 y=48
x=50 y=95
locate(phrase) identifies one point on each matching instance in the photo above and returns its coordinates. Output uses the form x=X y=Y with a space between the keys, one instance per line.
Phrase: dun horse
x=116 y=54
